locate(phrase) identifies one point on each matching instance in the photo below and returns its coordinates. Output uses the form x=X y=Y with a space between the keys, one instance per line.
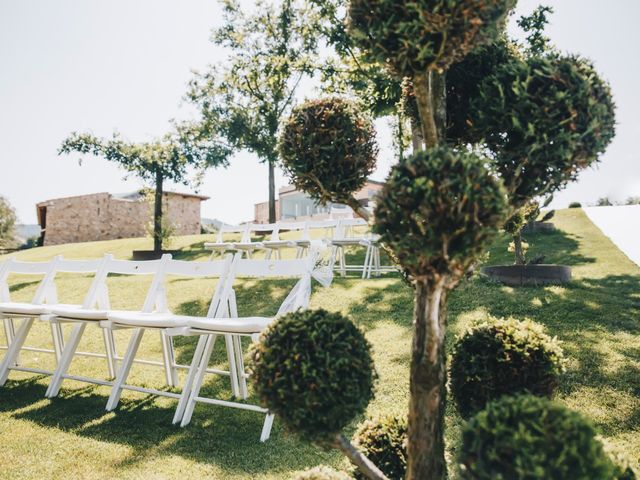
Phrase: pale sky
x=105 y=65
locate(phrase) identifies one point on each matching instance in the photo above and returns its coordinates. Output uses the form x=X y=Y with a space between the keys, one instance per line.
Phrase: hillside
x=597 y=317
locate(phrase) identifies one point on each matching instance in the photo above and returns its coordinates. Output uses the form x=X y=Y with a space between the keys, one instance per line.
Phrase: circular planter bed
x=151 y=254
x=518 y=275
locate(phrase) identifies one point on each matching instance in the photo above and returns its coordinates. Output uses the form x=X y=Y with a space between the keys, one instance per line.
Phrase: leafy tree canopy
x=7 y=223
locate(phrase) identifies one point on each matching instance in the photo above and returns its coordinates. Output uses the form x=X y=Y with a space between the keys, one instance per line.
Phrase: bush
x=438 y=211
x=527 y=437
x=503 y=357
x=384 y=442
x=554 y=115
x=321 y=473
x=314 y=369
x=328 y=149
x=424 y=34
x=575 y=205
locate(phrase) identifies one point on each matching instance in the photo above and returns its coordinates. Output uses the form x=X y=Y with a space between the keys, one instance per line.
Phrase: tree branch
x=366 y=466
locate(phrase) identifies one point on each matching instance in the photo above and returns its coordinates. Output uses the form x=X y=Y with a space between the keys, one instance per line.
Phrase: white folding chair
x=247 y=246
x=95 y=309
x=222 y=246
x=307 y=241
x=344 y=237
x=44 y=300
x=160 y=320
x=275 y=244
x=210 y=328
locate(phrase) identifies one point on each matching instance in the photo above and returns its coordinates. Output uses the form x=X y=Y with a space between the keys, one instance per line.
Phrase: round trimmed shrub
x=575 y=205
x=438 y=210
x=328 y=148
x=503 y=357
x=314 y=370
x=545 y=119
x=321 y=473
x=529 y=438
x=384 y=442
x=424 y=34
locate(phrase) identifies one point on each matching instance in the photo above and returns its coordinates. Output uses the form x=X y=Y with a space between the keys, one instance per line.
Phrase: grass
x=596 y=317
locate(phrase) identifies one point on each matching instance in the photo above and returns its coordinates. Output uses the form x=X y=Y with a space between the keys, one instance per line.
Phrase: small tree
x=168 y=158
x=7 y=223
x=440 y=208
x=245 y=102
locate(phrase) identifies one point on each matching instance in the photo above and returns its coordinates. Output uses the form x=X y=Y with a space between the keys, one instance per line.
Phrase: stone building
x=293 y=205
x=105 y=216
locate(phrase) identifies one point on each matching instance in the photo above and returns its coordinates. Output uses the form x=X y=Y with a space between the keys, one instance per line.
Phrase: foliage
x=503 y=357
x=464 y=79
x=632 y=201
x=534 y=25
x=527 y=437
x=30 y=242
x=419 y=35
x=7 y=223
x=314 y=370
x=604 y=202
x=321 y=473
x=328 y=149
x=384 y=442
x=575 y=205
x=271 y=52
x=438 y=211
x=545 y=118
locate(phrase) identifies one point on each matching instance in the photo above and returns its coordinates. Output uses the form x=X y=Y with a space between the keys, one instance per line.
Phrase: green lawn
x=596 y=316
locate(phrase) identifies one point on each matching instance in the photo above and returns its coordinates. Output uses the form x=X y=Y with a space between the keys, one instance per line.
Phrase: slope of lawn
x=596 y=316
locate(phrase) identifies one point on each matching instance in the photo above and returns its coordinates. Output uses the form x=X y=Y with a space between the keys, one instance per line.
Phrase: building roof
x=131 y=196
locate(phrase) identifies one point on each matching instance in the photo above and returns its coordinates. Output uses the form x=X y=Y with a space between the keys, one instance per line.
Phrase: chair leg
x=65 y=360
x=14 y=348
x=233 y=370
x=377 y=251
x=343 y=262
x=10 y=334
x=125 y=368
x=58 y=339
x=365 y=266
x=197 y=384
x=242 y=380
x=110 y=348
x=266 y=428
x=188 y=383
x=170 y=371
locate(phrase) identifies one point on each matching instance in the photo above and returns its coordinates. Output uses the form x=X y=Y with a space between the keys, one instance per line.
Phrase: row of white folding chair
x=44 y=306
x=222 y=319
x=222 y=305
x=274 y=245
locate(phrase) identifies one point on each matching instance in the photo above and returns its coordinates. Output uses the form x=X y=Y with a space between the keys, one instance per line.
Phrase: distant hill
x=212 y=223
x=24 y=232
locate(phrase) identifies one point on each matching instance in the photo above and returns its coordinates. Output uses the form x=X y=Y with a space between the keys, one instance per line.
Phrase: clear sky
x=105 y=65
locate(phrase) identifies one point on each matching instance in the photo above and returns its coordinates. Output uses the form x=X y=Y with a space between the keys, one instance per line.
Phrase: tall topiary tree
x=270 y=54
x=168 y=158
x=440 y=208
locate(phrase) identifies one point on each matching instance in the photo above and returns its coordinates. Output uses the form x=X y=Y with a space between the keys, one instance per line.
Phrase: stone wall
x=101 y=216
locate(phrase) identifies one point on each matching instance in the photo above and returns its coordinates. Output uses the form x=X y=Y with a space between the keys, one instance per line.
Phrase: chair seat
x=18 y=308
x=276 y=244
x=346 y=242
x=218 y=245
x=247 y=245
x=77 y=312
x=229 y=325
x=141 y=319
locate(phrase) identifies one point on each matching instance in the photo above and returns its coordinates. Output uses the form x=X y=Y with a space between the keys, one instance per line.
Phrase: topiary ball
x=463 y=87
x=438 y=211
x=384 y=442
x=321 y=473
x=545 y=119
x=314 y=369
x=527 y=437
x=503 y=357
x=415 y=36
x=328 y=149
x=575 y=205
